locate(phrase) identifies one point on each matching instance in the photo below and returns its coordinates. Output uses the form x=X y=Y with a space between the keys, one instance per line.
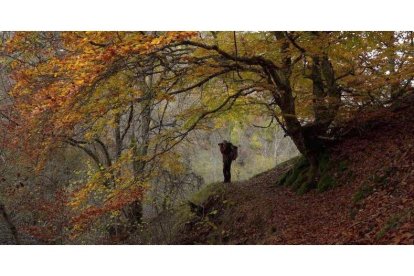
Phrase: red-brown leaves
x=379 y=155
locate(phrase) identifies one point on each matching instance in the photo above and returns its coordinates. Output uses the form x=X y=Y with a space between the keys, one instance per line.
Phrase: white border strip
x=221 y=15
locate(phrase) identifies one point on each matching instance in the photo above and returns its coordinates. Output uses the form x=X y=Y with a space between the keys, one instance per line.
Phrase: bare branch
x=105 y=151
x=131 y=115
x=198 y=84
x=91 y=154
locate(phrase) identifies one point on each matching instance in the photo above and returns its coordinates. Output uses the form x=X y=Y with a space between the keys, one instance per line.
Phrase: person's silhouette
x=229 y=152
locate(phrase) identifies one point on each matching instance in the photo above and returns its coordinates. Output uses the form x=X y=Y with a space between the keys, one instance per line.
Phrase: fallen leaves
x=381 y=157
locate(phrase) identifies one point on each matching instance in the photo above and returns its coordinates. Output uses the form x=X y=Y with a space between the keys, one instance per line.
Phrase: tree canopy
x=128 y=99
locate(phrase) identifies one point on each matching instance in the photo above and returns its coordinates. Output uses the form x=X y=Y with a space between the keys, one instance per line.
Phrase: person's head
x=224 y=143
x=224 y=146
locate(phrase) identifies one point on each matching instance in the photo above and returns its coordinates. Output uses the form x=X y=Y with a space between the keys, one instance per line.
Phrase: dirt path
x=268 y=214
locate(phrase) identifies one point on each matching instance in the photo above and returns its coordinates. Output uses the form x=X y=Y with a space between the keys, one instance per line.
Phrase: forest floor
x=372 y=201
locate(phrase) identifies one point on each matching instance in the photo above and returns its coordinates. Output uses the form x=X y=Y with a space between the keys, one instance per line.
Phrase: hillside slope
x=372 y=201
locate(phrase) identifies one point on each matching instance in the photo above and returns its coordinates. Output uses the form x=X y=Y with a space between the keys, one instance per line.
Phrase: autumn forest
x=147 y=137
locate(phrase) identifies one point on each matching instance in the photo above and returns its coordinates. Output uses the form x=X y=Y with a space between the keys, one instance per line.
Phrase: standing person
x=229 y=152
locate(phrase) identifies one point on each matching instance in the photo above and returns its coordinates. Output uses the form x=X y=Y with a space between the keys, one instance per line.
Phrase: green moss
x=362 y=193
x=390 y=224
x=292 y=176
x=299 y=180
x=298 y=177
x=282 y=180
x=325 y=183
x=183 y=212
x=204 y=193
x=304 y=187
x=291 y=162
x=324 y=163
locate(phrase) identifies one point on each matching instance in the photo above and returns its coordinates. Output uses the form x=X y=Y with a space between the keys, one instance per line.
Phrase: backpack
x=234 y=152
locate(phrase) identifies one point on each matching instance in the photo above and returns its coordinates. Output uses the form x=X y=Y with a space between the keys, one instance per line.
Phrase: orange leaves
x=107 y=190
x=115 y=202
x=56 y=77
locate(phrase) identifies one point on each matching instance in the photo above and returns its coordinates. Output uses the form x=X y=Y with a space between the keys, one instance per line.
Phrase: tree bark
x=118 y=138
x=133 y=211
x=325 y=105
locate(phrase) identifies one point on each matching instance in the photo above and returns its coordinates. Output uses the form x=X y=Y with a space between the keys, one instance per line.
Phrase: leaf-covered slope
x=371 y=203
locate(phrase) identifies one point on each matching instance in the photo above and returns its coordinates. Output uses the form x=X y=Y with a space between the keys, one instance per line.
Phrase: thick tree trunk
x=326 y=95
x=305 y=137
x=326 y=102
x=306 y=141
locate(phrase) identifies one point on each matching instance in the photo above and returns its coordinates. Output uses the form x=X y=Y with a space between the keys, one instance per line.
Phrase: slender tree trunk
x=134 y=210
x=141 y=149
x=118 y=140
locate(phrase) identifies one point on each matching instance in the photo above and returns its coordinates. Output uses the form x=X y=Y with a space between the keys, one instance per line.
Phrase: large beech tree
x=308 y=76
